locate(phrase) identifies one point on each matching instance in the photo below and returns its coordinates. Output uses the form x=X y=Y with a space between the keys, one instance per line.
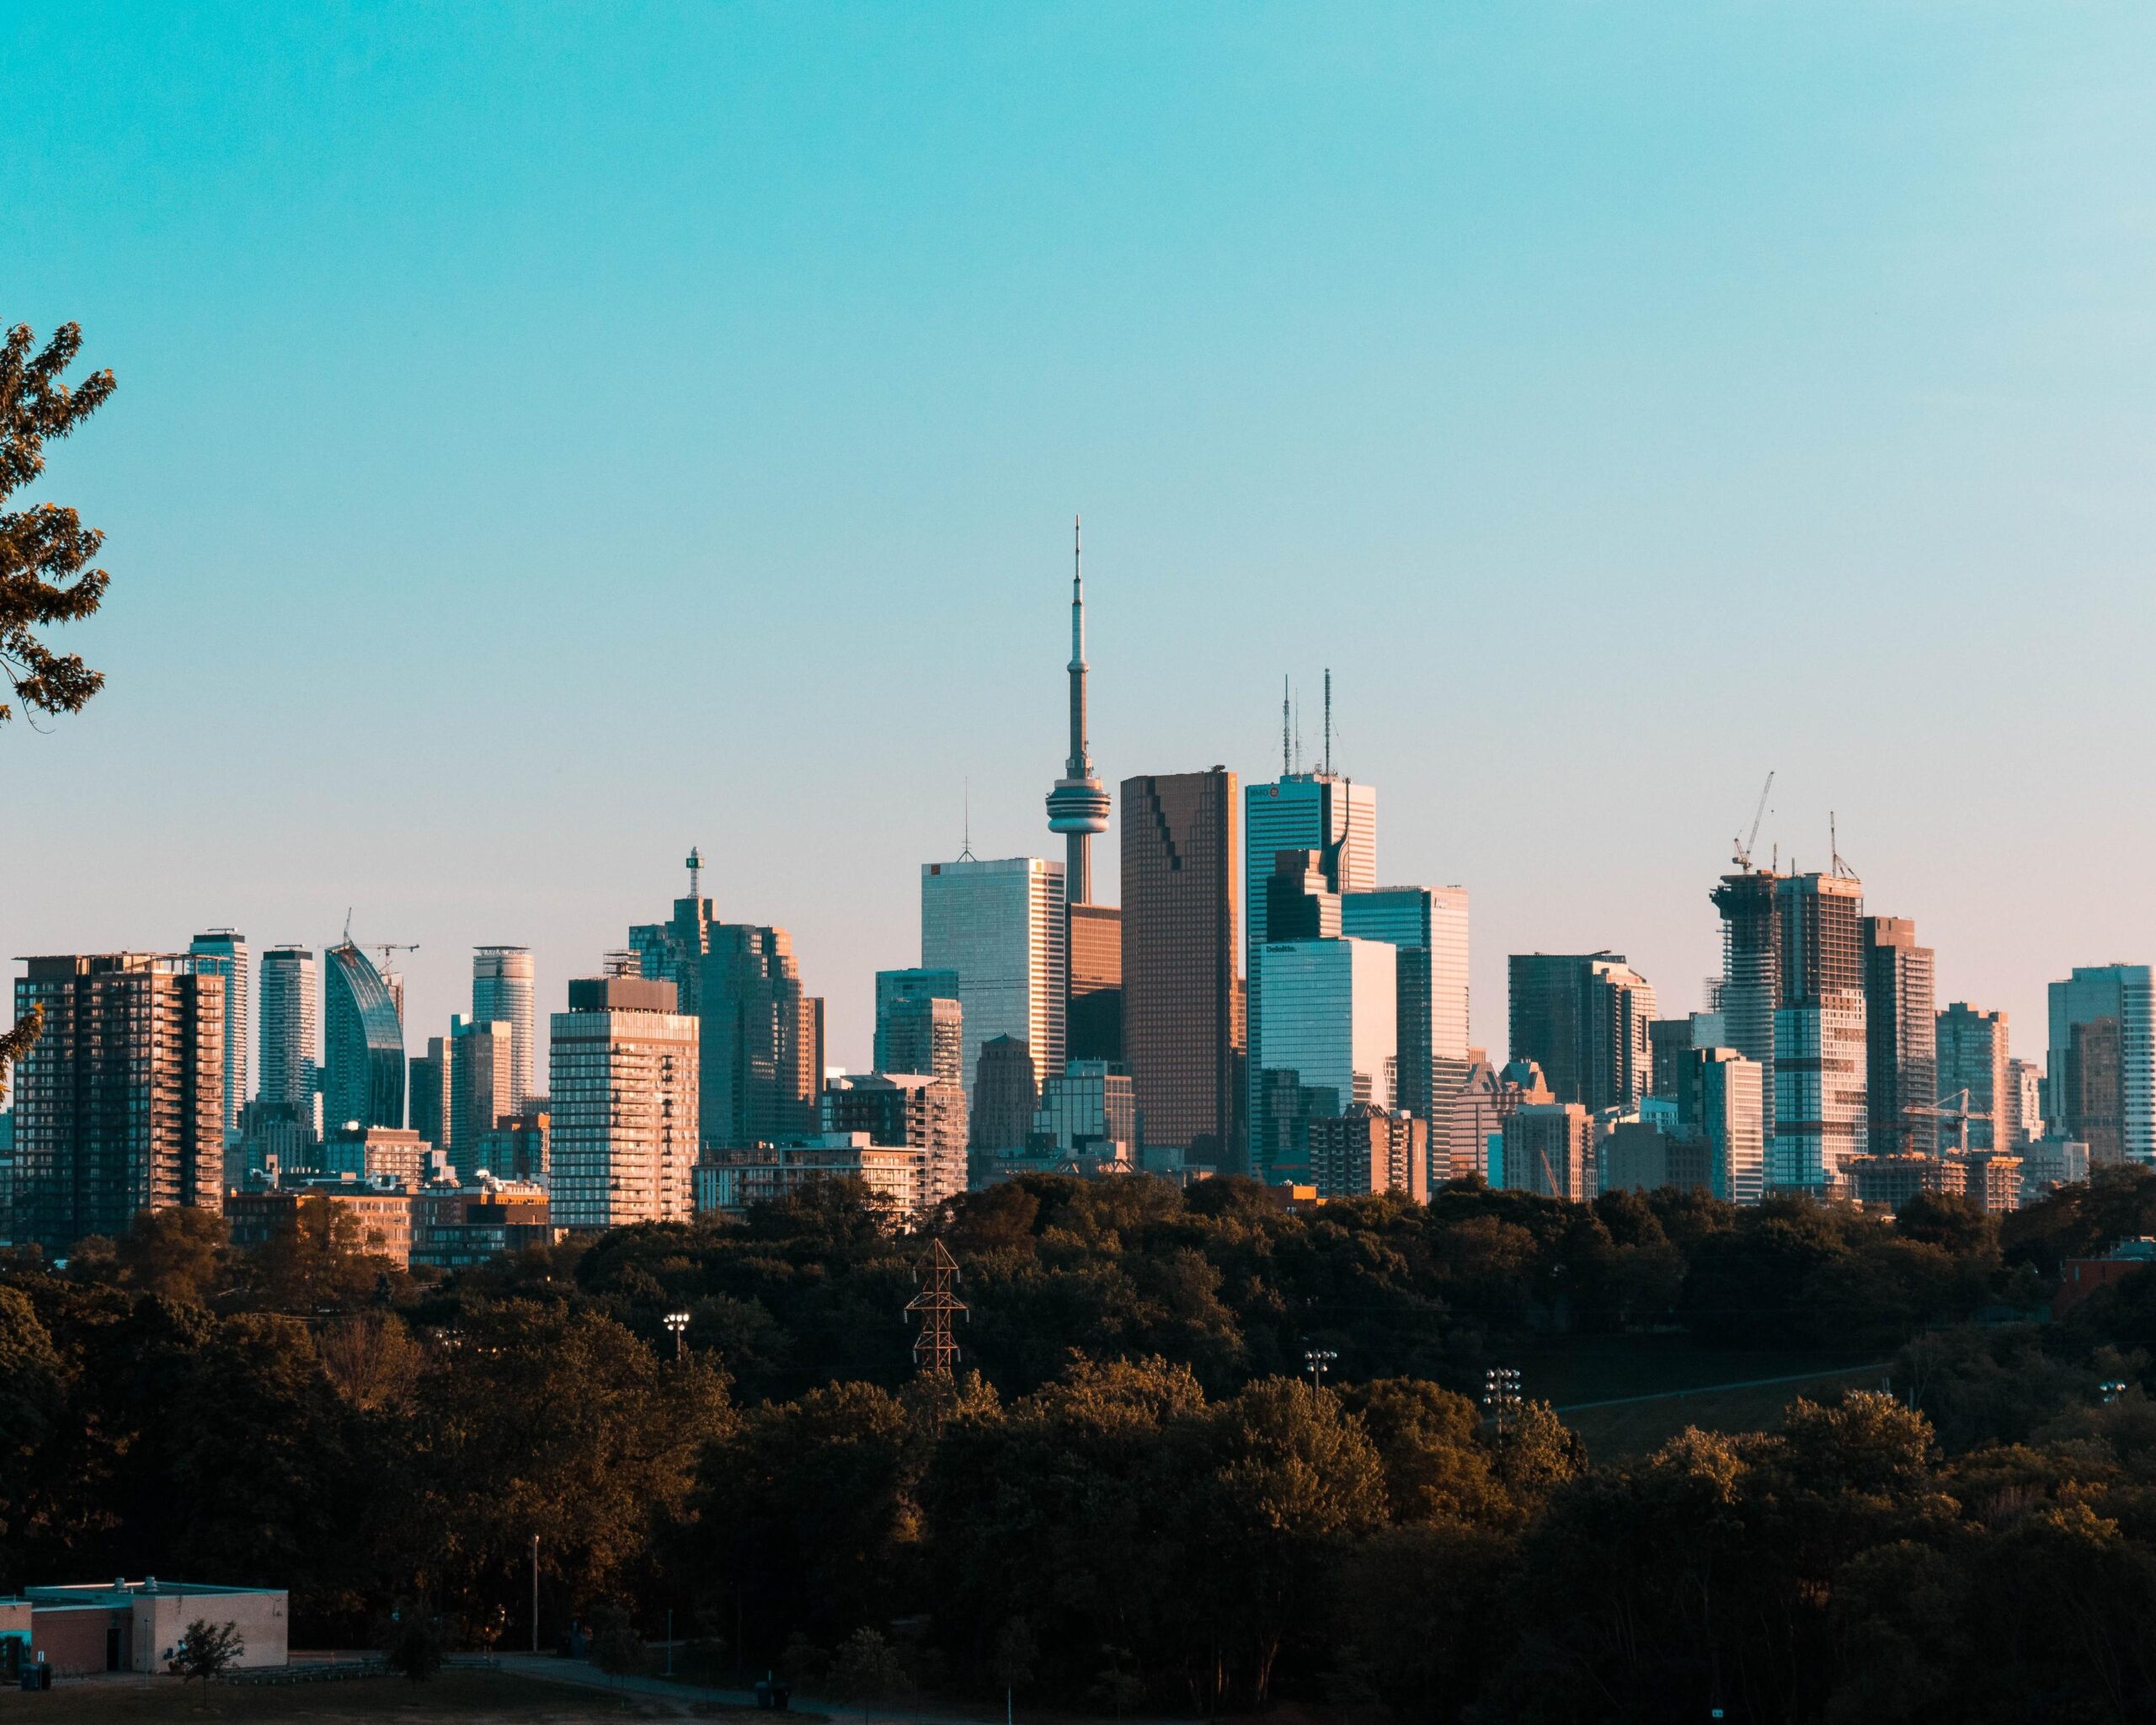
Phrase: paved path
x=552 y=1669
x=1799 y=1377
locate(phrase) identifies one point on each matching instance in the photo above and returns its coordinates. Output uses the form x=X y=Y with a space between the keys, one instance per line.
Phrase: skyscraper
x=1583 y=1018
x=224 y=951
x=1900 y=1045
x=1319 y=811
x=621 y=1078
x=920 y=1025
x=762 y=1054
x=1006 y=1090
x=2103 y=1063
x=1720 y=1101
x=428 y=1092
x=1427 y=927
x=482 y=1079
x=1078 y=806
x=1000 y=925
x=673 y=951
x=1182 y=1039
x=1821 y=1099
x=1550 y=1149
x=1327 y=1041
x=119 y=1105
x=288 y=1030
x=1972 y=1055
x=907 y=1110
x=363 y=1043
x=502 y=991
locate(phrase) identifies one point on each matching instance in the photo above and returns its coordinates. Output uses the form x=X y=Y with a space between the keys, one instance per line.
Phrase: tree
x=1015 y=1650
x=867 y=1670
x=414 y=1644
x=46 y=576
x=208 y=1650
x=177 y=1253
x=617 y=1648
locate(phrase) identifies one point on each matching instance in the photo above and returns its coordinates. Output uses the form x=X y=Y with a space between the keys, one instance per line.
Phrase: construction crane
x=386 y=948
x=1954 y=1108
x=1744 y=857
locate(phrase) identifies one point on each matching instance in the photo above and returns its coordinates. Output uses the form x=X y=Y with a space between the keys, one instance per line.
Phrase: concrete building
x=502 y=992
x=1891 y=1180
x=1006 y=1092
x=2022 y=1119
x=137 y=1625
x=728 y=1181
x=224 y=951
x=2103 y=1063
x=1643 y=1156
x=290 y=1047
x=1089 y=1108
x=1901 y=1048
x=1550 y=1149
x=427 y=1103
x=673 y=951
x=1583 y=1018
x=1669 y=1040
x=920 y=1023
x=623 y=1085
x=363 y=1041
x=905 y=1111
x=1368 y=1151
x=1819 y=1052
x=1183 y=1031
x=1001 y=926
x=519 y=1150
x=1972 y=1057
x=2049 y=1163
x=470 y=1226
x=1093 y=1012
x=1320 y=812
x=120 y=1104
x=377 y=1220
x=378 y=1155
x=1721 y=1105
x=1327 y=1041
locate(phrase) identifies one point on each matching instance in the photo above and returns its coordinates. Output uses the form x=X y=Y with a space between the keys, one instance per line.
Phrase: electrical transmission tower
x=935 y=1349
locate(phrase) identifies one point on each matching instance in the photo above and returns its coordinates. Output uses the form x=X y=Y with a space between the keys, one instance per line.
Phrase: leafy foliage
x=208 y=1650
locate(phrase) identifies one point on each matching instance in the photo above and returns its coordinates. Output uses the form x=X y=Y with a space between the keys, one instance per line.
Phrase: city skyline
x=1537 y=372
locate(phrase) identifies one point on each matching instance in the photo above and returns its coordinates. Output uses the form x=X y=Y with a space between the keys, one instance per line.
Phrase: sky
x=548 y=437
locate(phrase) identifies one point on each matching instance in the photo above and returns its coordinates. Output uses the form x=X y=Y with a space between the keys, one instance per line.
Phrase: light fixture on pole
x=678 y=1322
x=1320 y=1362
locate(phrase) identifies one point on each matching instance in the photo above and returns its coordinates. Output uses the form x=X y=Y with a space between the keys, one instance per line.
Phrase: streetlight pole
x=1501 y=1395
x=678 y=1322
x=1320 y=1362
x=534 y=1593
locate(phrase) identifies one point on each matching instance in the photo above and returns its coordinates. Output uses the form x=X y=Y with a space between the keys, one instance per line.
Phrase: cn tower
x=1078 y=806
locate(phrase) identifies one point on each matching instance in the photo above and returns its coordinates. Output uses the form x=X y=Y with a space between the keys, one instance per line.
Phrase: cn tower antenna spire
x=1078 y=806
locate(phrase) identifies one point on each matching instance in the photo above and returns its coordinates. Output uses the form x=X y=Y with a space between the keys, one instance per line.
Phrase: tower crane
x=386 y=948
x=1744 y=857
x=1954 y=1107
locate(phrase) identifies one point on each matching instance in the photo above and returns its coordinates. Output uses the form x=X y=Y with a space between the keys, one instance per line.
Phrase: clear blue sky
x=549 y=437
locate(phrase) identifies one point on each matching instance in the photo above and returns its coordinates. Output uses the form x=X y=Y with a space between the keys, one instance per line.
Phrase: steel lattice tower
x=935 y=1349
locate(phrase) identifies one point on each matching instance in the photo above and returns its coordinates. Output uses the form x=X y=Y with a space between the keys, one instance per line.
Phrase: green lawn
x=1626 y=1430
x=1598 y=1368
x=471 y=1697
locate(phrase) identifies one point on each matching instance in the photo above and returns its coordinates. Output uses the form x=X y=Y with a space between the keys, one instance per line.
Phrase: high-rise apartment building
x=621 y=1077
x=2103 y=1063
x=1427 y=928
x=763 y=1039
x=911 y=1111
x=363 y=1043
x=1368 y=1151
x=1476 y=1114
x=481 y=1076
x=927 y=1035
x=1583 y=1018
x=502 y=992
x=1327 y=1042
x=1006 y=1090
x=289 y=1045
x=1000 y=925
x=1721 y=1102
x=224 y=951
x=1972 y=1056
x=119 y=1105
x=1183 y=1035
x=1901 y=1037
x=1320 y=812
x=2022 y=1119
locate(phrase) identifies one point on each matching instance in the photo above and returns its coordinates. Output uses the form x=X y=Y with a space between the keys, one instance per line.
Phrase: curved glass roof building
x=362 y=1043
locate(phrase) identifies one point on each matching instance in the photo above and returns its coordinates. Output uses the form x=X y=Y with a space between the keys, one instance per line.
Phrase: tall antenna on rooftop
x=696 y=873
x=935 y=1349
x=966 y=843
x=1328 y=721
x=1284 y=768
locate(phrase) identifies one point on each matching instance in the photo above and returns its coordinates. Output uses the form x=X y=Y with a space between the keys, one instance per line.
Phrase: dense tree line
x=1129 y=1497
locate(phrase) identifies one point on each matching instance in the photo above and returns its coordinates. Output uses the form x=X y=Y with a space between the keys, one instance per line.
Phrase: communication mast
x=935 y=1349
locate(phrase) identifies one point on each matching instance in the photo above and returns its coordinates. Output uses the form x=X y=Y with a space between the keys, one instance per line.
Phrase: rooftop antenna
x=966 y=845
x=696 y=873
x=1837 y=866
x=1328 y=721
x=1299 y=733
x=1284 y=768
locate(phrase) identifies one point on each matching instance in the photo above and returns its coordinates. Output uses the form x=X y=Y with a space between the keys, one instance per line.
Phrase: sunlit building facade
x=621 y=1080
